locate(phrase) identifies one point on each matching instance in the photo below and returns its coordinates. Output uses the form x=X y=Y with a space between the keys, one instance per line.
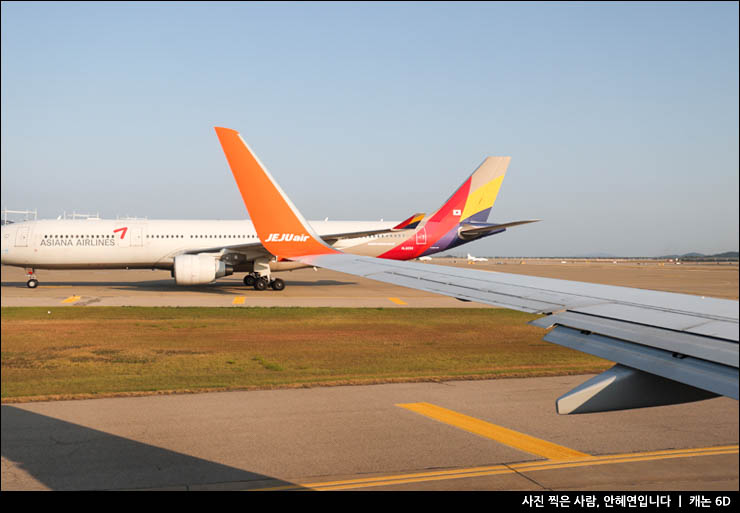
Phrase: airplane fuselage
x=119 y=244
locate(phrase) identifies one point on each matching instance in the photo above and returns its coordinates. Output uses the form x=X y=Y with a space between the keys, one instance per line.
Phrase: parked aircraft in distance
x=199 y=252
x=669 y=348
x=471 y=258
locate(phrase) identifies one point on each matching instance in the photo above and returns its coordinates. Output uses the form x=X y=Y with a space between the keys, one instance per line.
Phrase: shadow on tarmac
x=65 y=456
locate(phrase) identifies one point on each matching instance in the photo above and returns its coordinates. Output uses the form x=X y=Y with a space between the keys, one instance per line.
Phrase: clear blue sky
x=621 y=118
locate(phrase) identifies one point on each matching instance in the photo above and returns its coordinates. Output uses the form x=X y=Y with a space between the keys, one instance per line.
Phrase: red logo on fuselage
x=122 y=230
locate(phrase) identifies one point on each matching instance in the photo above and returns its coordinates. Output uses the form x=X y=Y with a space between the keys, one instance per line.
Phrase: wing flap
x=713 y=377
x=675 y=342
x=663 y=317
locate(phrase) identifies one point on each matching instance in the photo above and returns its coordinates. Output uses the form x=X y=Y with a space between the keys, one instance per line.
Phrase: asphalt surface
x=308 y=287
x=305 y=287
x=367 y=437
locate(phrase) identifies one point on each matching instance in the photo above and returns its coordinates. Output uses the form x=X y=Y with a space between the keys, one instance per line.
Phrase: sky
x=621 y=119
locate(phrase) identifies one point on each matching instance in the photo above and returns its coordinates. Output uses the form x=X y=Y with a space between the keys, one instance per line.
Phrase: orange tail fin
x=279 y=225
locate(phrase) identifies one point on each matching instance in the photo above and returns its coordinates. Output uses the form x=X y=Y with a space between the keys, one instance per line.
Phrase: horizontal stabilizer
x=470 y=231
x=410 y=223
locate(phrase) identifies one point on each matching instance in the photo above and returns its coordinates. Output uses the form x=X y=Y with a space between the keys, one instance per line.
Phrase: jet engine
x=199 y=269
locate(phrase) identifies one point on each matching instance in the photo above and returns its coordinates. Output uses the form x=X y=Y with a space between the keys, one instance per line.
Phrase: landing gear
x=263 y=282
x=260 y=277
x=32 y=282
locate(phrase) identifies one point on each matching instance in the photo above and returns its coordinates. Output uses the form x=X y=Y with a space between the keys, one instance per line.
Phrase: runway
x=428 y=436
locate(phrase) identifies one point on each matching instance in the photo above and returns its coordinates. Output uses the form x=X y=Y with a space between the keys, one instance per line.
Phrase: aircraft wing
x=669 y=348
x=250 y=250
x=686 y=339
x=332 y=238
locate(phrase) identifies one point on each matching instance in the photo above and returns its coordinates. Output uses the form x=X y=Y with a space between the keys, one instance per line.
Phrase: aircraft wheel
x=277 y=284
x=260 y=284
x=32 y=283
x=249 y=280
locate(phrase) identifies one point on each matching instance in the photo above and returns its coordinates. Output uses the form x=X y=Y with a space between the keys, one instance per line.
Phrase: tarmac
x=467 y=435
x=309 y=287
x=461 y=435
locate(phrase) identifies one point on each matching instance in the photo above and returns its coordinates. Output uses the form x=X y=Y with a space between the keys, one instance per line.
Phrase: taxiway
x=466 y=435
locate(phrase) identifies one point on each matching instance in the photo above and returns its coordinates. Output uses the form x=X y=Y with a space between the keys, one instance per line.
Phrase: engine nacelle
x=199 y=269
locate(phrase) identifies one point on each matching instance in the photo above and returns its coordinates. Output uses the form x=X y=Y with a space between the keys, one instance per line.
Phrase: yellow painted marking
x=72 y=299
x=239 y=300
x=397 y=301
x=511 y=468
x=500 y=434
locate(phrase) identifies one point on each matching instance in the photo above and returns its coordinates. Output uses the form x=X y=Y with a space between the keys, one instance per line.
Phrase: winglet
x=279 y=225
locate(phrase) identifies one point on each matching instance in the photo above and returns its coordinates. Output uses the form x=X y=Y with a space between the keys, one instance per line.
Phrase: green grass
x=84 y=352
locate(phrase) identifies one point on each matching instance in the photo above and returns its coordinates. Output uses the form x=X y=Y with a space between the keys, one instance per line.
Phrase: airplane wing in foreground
x=669 y=348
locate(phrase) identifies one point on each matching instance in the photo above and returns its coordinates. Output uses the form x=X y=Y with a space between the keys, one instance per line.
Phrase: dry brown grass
x=93 y=352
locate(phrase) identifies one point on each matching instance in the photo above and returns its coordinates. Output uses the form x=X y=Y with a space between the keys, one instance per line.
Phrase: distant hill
x=728 y=255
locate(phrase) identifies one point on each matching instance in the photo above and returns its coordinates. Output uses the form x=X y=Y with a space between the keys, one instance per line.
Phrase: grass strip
x=69 y=352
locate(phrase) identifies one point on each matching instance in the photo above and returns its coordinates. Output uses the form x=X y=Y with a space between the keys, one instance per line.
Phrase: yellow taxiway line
x=397 y=301
x=555 y=456
x=514 y=468
x=239 y=300
x=72 y=299
x=500 y=434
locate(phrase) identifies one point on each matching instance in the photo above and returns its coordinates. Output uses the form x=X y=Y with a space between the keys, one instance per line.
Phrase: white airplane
x=471 y=258
x=199 y=252
x=669 y=348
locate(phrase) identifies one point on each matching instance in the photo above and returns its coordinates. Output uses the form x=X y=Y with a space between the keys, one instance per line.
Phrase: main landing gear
x=263 y=282
x=32 y=282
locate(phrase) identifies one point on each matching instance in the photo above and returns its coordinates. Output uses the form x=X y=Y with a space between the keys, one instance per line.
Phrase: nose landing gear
x=32 y=282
